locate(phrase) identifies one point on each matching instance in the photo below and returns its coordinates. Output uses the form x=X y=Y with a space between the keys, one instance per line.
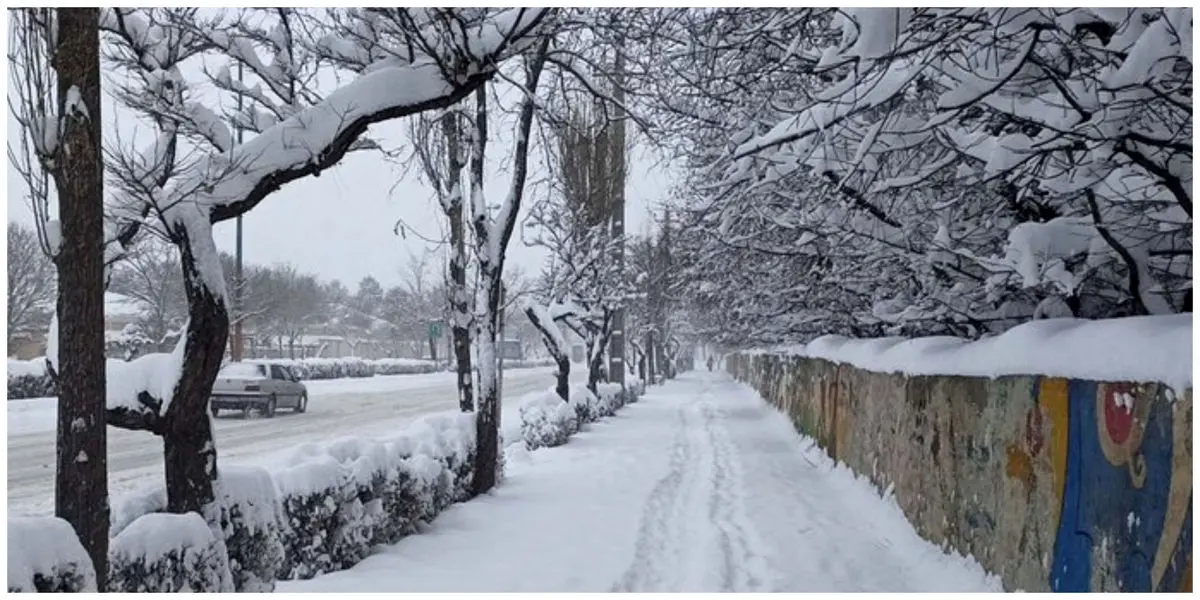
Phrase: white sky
x=340 y=225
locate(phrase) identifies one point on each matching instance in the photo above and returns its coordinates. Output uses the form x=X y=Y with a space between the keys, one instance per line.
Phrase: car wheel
x=269 y=410
x=302 y=405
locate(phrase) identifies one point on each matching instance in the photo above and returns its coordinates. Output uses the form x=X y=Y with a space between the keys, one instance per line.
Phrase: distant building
x=120 y=313
x=511 y=350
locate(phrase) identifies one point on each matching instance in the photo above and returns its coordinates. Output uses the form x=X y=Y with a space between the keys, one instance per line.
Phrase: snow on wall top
x=1155 y=348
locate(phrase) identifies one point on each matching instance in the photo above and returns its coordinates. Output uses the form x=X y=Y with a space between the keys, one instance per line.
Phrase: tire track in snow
x=694 y=534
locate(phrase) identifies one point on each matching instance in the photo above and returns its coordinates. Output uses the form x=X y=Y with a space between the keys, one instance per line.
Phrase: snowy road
x=700 y=487
x=368 y=407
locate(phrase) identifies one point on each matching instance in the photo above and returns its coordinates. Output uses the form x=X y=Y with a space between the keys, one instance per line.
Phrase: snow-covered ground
x=700 y=486
x=372 y=406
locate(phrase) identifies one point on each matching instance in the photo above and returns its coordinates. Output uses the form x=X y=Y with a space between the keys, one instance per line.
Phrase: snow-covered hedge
x=341 y=499
x=161 y=552
x=44 y=555
x=28 y=379
x=547 y=421
x=248 y=515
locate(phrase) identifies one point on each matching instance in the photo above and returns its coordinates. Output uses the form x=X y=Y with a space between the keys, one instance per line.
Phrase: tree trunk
x=561 y=358
x=460 y=308
x=650 y=352
x=81 y=477
x=487 y=421
x=190 y=453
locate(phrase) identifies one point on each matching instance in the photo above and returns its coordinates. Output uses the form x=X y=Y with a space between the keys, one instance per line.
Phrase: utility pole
x=616 y=354
x=239 y=281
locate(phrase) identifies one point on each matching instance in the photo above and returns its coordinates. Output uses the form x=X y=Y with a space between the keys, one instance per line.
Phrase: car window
x=242 y=370
x=277 y=373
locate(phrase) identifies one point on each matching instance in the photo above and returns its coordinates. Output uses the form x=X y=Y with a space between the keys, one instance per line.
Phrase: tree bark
x=562 y=377
x=460 y=308
x=189 y=452
x=491 y=240
x=81 y=477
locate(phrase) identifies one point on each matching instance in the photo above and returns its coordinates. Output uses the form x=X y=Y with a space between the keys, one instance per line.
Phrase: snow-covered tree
x=55 y=60
x=933 y=170
x=492 y=228
x=31 y=282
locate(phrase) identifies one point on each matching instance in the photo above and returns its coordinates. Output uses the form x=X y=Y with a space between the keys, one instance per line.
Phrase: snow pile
x=1156 y=348
x=44 y=555
x=162 y=552
x=546 y=420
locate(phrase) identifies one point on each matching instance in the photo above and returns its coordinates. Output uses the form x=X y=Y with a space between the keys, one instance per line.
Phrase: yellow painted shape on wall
x=1180 y=495
x=1052 y=399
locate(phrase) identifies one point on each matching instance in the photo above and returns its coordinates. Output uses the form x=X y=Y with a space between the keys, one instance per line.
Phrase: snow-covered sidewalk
x=699 y=487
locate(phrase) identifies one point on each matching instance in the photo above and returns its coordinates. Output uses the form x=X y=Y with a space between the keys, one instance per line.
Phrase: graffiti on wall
x=1052 y=483
x=1126 y=518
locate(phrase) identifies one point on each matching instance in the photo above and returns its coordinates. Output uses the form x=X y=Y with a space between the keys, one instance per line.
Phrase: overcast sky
x=340 y=225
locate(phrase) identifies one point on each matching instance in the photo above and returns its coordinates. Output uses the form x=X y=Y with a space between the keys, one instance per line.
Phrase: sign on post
x=435 y=329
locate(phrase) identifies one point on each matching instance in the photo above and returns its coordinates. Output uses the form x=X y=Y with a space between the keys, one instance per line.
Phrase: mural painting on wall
x=1126 y=517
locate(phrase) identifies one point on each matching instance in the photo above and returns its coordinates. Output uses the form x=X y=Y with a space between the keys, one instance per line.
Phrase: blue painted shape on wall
x=1103 y=512
x=1072 y=567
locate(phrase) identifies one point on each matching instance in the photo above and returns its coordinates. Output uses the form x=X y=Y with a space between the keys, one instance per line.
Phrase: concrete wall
x=1053 y=484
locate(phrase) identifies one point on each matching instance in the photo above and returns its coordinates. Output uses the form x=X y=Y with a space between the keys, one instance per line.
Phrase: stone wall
x=1053 y=484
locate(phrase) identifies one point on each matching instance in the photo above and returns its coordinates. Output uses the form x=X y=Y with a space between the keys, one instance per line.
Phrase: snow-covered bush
x=585 y=403
x=454 y=442
x=546 y=421
x=162 y=552
x=44 y=555
x=28 y=379
x=312 y=497
x=249 y=516
x=405 y=366
x=634 y=389
x=610 y=398
x=338 y=368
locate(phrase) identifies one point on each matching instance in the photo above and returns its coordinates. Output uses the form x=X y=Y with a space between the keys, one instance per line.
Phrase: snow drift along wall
x=1054 y=484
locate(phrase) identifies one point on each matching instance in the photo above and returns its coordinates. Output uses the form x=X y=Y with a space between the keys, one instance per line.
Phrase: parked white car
x=264 y=387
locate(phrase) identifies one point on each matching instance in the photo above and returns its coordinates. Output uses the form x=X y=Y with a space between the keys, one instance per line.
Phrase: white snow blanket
x=700 y=487
x=1155 y=348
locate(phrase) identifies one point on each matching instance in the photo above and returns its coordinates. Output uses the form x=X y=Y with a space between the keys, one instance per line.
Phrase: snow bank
x=162 y=552
x=44 y=555
x=1156 y=348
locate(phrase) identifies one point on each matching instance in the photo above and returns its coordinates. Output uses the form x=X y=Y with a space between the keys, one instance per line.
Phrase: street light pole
x=616 y=353
x=239 y=281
